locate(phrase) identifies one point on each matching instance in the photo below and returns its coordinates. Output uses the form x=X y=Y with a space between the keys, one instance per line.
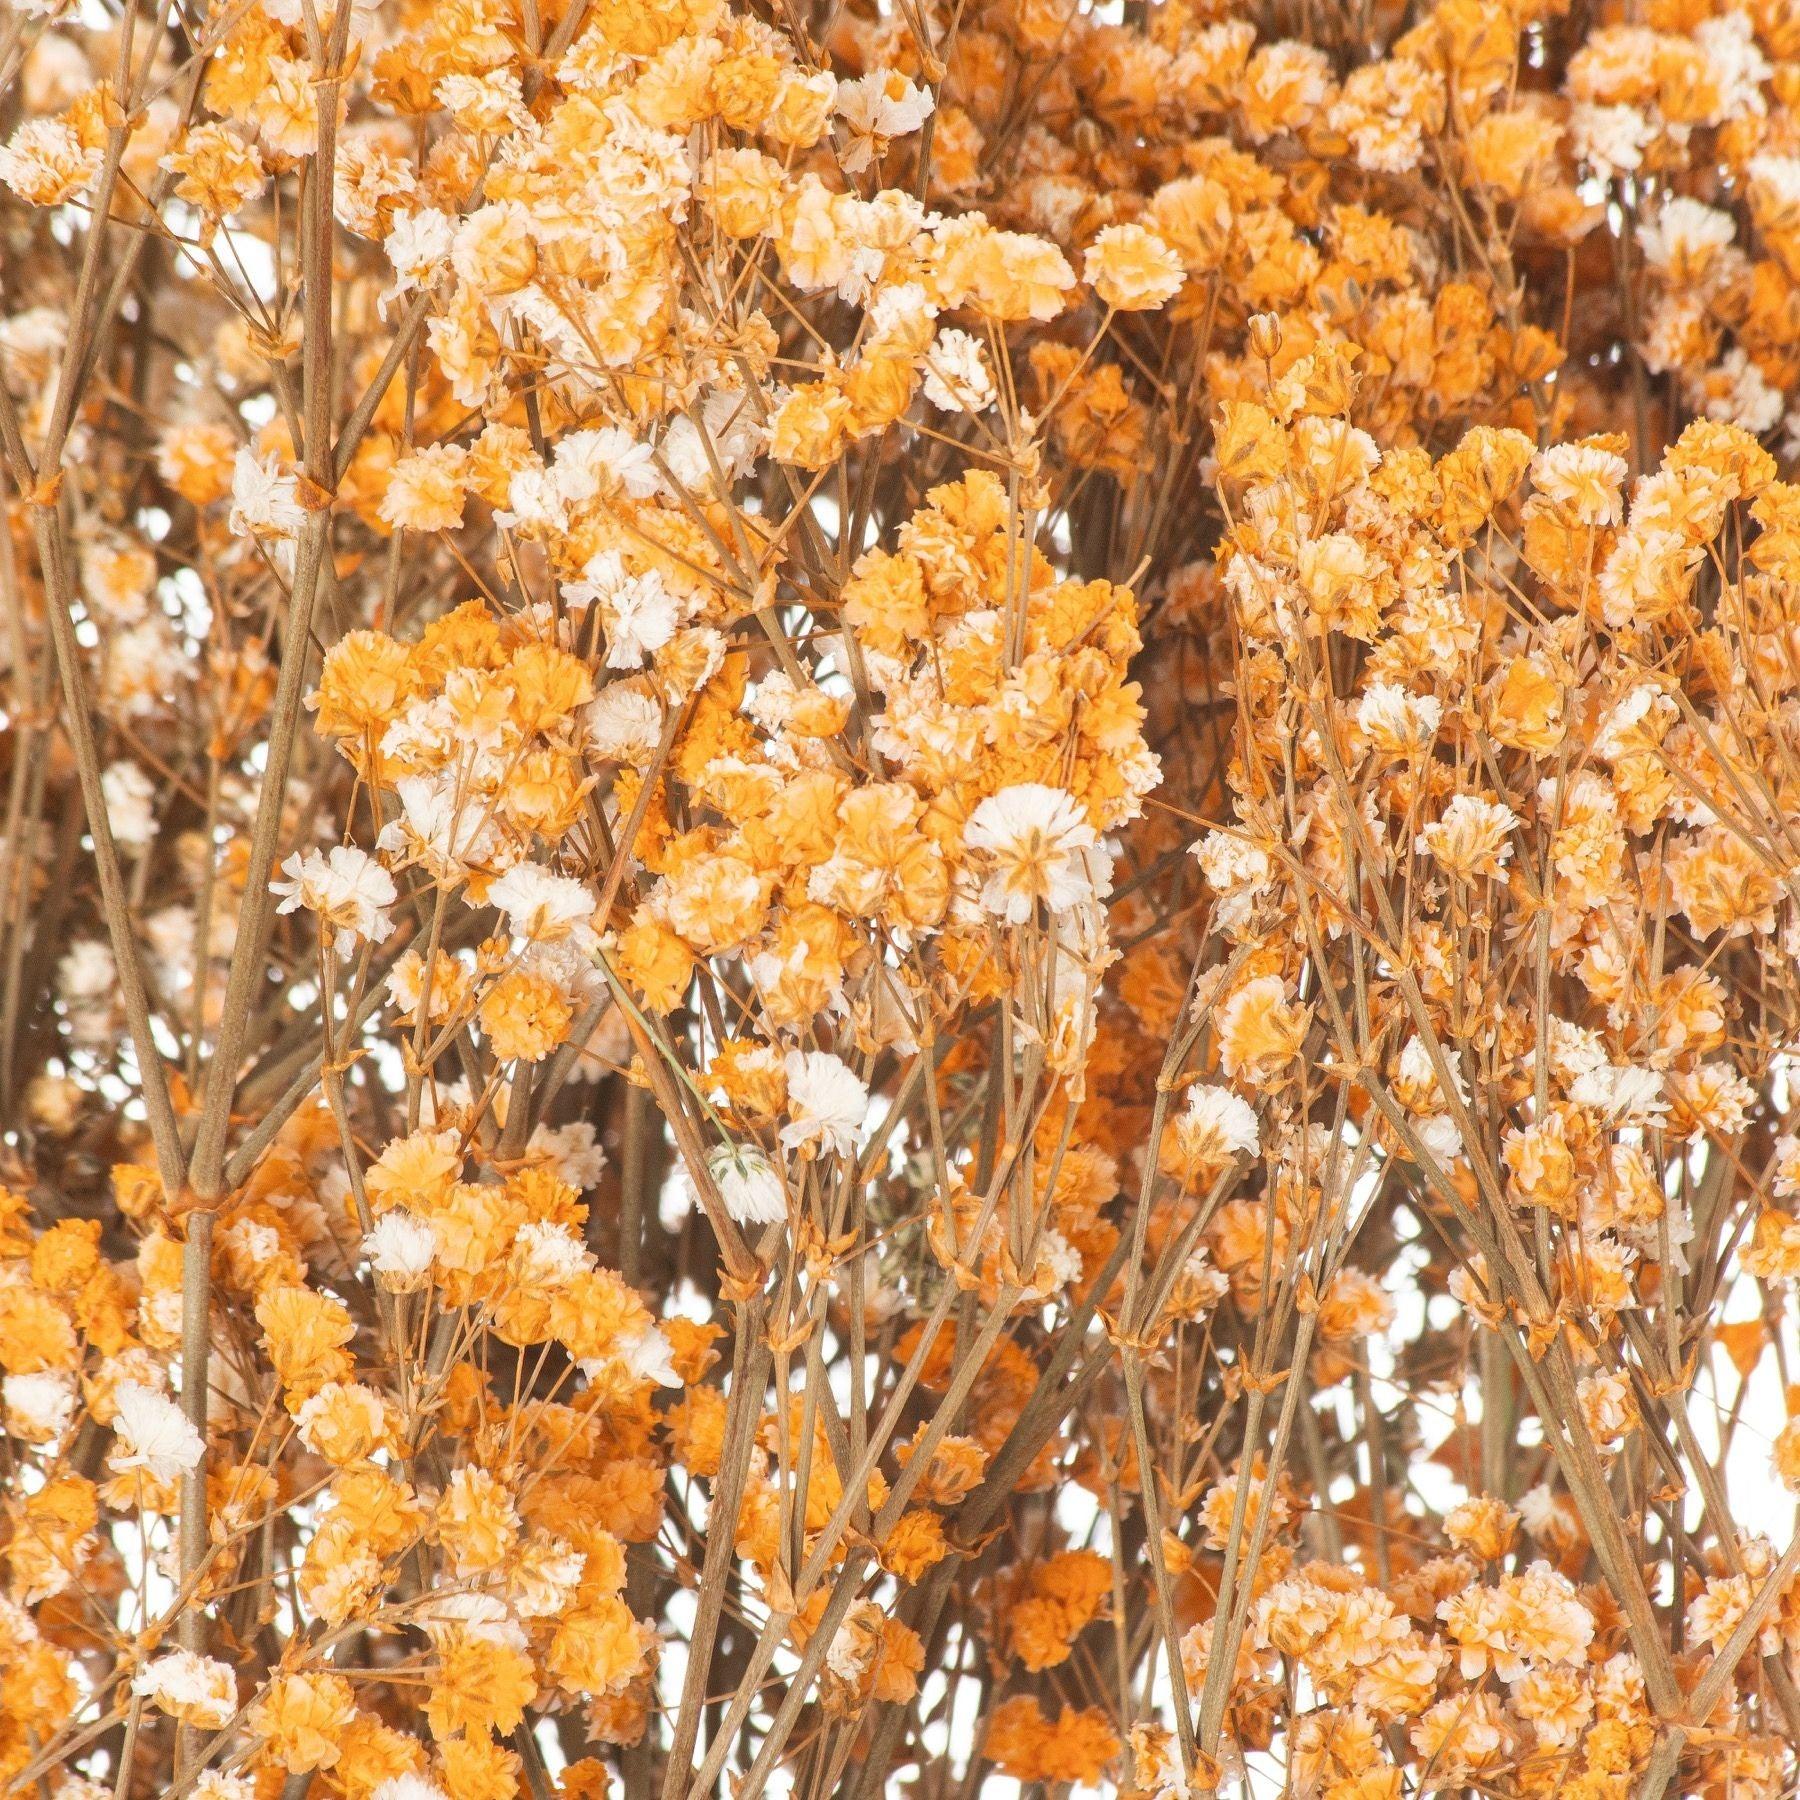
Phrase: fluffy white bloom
x=33 y=340
x=748 y=1184
x=1672 y=318
x=1716 y=1094
x=541 y=906
x=727 y=435
x=900 y=307
x=348 y=889
x=1288 y=82
x=196 y=1689
x=426 y=489
x=1574 y=1049
x=1611 y=140
x=446 y=829
x=1582 y=480
x=400 y=1249
x=689 y=456
x=1737 y=392
x=1685 y=233
x=1380 y=110
x=1396 y=722
x=650 y=1357
x=604 y=460
x=86 y=973
x=154 y=1435
x=246 y=1243
x=1635 y=721
x=624 y=724
x=264 y=501
x=1625 y=1093
x=1206 y=1285
x=418 y=247
x=1230 y=862
x=407 y=1787
x=489 y=103
x=1641 y=564
x=464 y=1614
x=957 y=376
x=1417 y=1076
x=215 y=1784
x=883 y=103
x=1775 y=180
x=534 y=503
x=1530 y=1619
x=45 y=162
x=1472 y=837
x=1222 y=1120
x=367 y=176
x=172 y=933
x=827 y=1099
x=571 y=1150
x=877 y=107
x=1607 y=1406
x=1038 y=846
x=1441 y=1137
x=640 y=612
x=40 y=1406
x=854 y=1645
x=446 y=728
x=543 y=1580
x=1736 y=64
x=1058 y=1264
x=129 y=793
x=550 y=1256
x=145 y=668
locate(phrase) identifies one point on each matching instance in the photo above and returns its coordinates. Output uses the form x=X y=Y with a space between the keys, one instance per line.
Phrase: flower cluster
x=899 y=896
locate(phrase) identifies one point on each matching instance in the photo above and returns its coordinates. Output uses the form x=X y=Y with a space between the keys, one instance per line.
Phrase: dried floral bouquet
x=899 y=898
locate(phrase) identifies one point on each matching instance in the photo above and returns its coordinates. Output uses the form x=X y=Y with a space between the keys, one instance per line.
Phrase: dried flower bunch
x=899 y=898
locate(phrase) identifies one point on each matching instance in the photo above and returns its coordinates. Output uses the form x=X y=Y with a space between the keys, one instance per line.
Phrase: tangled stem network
x=899 y=898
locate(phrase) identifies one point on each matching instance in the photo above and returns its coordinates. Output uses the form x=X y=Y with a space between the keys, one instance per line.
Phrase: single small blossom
x=1472 y=837
x=875 y=108
x=828 y=1102
x=400 y=1249
x=196 y=1690
x=1039 y=849
x=541 y=906
x=957 y=376
x=647 y=1355
x=264 y=498
x=130 y=812
x=1131 y=268
x=153 y=1435
x=348 y=889
x=38 y=1406
x=748 y=1183
x=407 y=1787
